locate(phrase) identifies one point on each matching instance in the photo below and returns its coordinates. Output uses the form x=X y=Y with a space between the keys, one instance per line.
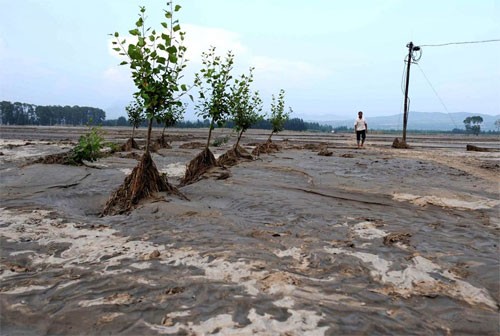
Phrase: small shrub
x=220 y=141
x=88 y=147
x=113 y=147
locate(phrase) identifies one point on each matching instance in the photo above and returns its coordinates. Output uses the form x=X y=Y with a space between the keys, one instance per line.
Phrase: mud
x=372 y=241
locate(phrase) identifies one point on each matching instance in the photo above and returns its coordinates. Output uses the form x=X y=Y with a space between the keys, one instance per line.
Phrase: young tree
x=278 y=114
x=245 y=106
x=172 y=115
x=213 y=83
x=156 y=61
x=277 y=120
x=135 y=112
x=473 y=124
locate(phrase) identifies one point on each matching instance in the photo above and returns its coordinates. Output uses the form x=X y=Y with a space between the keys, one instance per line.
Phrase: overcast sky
x=333 y=58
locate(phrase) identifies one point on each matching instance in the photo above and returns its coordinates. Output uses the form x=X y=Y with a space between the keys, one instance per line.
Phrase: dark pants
x=361 y=135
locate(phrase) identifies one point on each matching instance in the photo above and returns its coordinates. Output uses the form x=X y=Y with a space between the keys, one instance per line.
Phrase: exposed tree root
x=143 y=182
x=161 y=142
x=399 y=144
x=198 y=166
x=266 y=148
x=233 y=156
x=60 y=158
x=129 y=145
x=192 y=145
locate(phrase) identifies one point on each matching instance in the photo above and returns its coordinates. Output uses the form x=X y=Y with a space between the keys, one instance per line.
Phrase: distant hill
x=431 y=121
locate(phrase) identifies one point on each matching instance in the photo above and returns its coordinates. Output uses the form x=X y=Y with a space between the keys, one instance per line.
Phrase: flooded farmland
x=371 y=241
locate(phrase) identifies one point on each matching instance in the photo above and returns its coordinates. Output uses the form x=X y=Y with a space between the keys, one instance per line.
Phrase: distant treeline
x=30 y=114
x=293 y=124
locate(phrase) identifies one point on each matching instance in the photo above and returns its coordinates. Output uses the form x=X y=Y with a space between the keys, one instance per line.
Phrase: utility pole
x=405 y=115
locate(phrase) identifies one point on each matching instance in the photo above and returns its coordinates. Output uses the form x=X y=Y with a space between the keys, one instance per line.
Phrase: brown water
x=292 y=243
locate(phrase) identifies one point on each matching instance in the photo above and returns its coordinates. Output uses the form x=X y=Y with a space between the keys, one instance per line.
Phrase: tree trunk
x=148 y=140
x=269 y=139
x=239 y=137
x=210 y=133
x=133 y=131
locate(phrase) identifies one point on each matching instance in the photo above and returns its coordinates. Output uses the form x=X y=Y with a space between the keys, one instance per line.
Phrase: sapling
x=135 y=112
x=278 y=118
x=213 y=82
x=244 y=109
x=156 y=61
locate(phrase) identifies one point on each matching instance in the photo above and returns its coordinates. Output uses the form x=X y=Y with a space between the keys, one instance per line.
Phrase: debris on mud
x=192 y=145
x=60 y=158
x=397 y=237
x=325 y=152
x=477 y=149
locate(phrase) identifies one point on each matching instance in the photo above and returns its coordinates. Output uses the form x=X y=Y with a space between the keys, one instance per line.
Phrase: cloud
x=286 y=73
x=3 y=48
x=271 y=74
x=200 y=39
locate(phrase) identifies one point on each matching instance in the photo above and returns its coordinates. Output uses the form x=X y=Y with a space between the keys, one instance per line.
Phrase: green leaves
x=156 y=62
x=134 y=32
x=278 y=114
x=245 y=106
x=213 y=83
x=134 y=52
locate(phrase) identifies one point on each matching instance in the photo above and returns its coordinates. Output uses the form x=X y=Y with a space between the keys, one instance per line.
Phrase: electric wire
x=437 y=95
x=466 y=42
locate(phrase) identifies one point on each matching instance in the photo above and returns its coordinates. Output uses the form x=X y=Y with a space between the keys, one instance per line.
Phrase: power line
x=466 y=42
x=435 y=92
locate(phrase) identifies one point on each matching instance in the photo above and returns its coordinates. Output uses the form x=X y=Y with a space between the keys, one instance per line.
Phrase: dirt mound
x=129 y=145
x=325 y=152
x=233 y=156
x=266 y=148
x=399 y=144
x=198 y=166
x=161 y=142
x=143 y=182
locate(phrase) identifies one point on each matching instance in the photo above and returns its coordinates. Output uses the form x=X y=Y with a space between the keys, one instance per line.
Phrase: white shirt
x=360 y=124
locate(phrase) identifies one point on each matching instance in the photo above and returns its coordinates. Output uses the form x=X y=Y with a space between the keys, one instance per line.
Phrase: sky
x=333 y=58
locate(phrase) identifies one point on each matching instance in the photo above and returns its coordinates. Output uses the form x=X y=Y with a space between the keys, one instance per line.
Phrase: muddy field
x=375 y=241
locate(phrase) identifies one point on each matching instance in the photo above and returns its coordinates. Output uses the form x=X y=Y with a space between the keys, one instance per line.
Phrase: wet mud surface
x=374 y=241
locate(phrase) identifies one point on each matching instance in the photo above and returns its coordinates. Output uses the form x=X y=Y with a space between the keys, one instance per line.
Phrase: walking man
x=360 y=128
